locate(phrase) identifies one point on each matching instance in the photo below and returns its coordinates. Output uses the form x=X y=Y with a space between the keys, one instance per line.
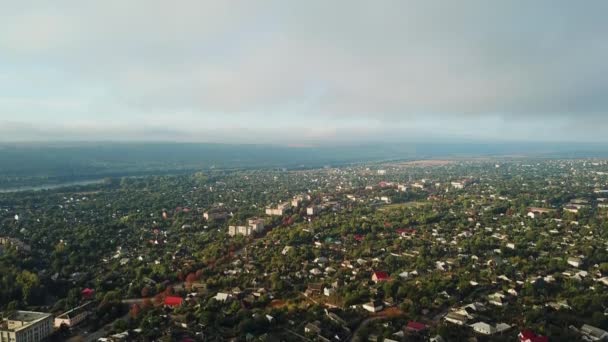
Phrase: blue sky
x=305 y=72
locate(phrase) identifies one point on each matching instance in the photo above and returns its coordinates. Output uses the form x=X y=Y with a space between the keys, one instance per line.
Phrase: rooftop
x=22 y=319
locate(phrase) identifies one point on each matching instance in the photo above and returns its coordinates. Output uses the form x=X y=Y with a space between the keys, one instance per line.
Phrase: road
x=103 y=331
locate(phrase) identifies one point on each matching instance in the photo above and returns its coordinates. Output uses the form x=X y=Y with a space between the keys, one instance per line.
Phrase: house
x=458 y=185
x=488 y=329
x=173 y=301
x=316 y=271
x=87 y=293
x=373 y=306
x=529 y=336
x=328 y=291
x=313 y=328
x=496 y=299
x=73 y=316
x=535 y=212
x=222 y=297
x=603 y=280
x=380 y=276
x=437 y=338
x=418 y=185
x=483 y=328
x=313 y=289
x=591 y=333
x=415 y=327
x=575 y=262
x=456 y=318
x=571 y=209
x=404 y=232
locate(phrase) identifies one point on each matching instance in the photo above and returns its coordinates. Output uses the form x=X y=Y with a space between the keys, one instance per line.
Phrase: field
x=396 y=206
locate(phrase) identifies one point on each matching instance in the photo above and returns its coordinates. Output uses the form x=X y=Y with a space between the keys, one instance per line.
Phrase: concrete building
x=535 y=212
x=312 y=210
x=26 y=326
x=297 y=200
x=279 y=210
x=216 y=214
x=254 y=225
x=257 y=224
x=15 y=243
x=241 y=230
x=458 y=185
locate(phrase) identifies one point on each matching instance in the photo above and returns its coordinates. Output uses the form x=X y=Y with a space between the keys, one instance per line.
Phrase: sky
x=304 y=72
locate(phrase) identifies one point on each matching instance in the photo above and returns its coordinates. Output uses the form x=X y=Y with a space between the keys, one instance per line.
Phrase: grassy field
x=415 y=204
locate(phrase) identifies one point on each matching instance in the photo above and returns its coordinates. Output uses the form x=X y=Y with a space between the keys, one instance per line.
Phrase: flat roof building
x=24 y=326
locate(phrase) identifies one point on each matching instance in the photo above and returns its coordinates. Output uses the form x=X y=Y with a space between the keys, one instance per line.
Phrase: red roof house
x=529 y=336
x=405 y=231
x=173 y=301
x=359 y=237
x=380 y=276
x=87 y=293
x=414 y=326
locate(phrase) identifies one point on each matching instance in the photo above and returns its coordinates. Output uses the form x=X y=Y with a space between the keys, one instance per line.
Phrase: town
x=485 y=249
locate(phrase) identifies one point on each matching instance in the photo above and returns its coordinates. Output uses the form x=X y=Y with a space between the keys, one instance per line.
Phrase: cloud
x=468 y=69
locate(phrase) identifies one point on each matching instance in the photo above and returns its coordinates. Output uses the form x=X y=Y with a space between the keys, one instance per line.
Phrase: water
x=51 y=186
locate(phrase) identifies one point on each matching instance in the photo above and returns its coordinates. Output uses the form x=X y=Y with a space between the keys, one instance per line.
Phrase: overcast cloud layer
x=304 y=72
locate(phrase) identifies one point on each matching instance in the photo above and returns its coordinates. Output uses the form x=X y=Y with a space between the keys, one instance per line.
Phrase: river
x=51 y=186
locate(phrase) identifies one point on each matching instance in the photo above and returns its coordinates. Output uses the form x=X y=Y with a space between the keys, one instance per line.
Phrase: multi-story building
x=279 y=210
x=312 y=210
x=26 y=326
x=297 y=200
x=15 y=243
x=240 y=230
x=216 y=214
x=254 y=225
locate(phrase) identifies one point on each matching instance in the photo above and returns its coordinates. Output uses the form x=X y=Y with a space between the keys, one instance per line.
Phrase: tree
x=121 y=325
x=29 y=282
x=135 y=310
x=191 y=278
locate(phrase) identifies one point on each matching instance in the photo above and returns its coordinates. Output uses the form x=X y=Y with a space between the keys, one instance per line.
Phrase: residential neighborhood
x=478 y=253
